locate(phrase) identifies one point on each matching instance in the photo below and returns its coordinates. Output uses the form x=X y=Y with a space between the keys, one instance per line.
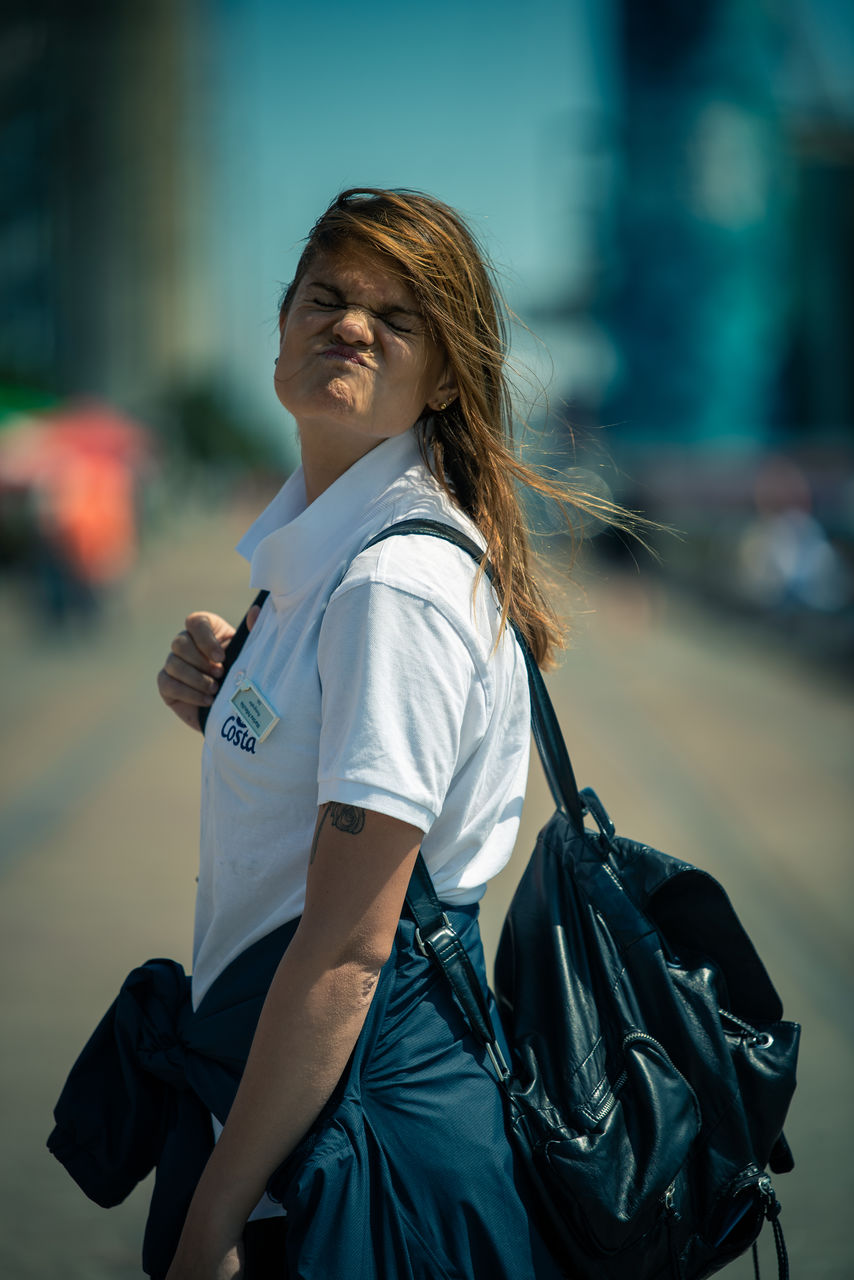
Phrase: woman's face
x=355 y=353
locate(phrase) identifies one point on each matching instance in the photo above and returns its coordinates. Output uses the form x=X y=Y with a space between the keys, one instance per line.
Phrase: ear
x=446 y=392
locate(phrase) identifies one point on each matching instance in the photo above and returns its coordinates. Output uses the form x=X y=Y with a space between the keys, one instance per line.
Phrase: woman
x=399 y=710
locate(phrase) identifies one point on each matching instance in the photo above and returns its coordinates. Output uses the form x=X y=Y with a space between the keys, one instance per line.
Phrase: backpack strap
x=437 y=939
x=232 y=649
x=434 y=933
x=544 y=722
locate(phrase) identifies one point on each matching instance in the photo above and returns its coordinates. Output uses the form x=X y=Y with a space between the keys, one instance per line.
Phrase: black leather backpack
x=651 y=1070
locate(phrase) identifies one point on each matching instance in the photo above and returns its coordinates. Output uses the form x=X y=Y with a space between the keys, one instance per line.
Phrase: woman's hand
x=199 y=1261
x=190 y=677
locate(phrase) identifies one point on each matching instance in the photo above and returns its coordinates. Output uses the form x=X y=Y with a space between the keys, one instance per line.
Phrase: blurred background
x=667 y=191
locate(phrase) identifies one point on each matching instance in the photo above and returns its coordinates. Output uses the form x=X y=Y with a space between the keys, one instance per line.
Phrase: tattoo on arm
x=345 y=817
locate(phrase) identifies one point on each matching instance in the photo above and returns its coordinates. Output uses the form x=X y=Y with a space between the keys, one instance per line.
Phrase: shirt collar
x=291 y=542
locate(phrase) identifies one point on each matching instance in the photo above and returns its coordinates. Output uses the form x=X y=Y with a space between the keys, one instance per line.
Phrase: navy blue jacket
x=407 y=1174
x=141 y=1093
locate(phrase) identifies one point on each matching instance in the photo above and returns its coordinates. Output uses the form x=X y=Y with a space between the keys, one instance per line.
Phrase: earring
x=442 y=407
x=276 y=360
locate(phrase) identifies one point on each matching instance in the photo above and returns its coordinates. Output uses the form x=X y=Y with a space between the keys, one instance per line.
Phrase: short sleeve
x=402 y=702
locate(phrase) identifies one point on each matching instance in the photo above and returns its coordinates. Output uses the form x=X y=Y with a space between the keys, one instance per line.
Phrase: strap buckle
x=438 y=946
x=445 y=928
x=496 y=1057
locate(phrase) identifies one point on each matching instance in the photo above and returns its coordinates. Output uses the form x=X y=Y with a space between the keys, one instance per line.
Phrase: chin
x=333 y=401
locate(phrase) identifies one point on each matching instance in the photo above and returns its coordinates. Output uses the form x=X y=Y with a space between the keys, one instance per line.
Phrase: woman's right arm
x=191 y=675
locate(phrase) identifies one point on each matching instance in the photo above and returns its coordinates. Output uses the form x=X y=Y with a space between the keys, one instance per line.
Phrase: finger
x=185 y=648
x=185 y=711
x=252 y=616
x=209 y=633
x=191 y=676
x=172 y=691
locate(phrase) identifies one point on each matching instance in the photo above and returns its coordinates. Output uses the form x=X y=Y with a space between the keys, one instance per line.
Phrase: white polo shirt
x=391 y=693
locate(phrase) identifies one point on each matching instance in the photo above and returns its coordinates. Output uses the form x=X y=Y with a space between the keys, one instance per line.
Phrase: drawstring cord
x=772 y=1213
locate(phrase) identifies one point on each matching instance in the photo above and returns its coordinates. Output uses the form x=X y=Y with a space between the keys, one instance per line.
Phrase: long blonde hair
x=469 y=446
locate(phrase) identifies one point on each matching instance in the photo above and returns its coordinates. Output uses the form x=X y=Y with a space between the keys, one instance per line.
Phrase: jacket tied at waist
x=141 y=1092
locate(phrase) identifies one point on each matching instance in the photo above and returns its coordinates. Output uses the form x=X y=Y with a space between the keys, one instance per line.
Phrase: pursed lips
x=350 y=354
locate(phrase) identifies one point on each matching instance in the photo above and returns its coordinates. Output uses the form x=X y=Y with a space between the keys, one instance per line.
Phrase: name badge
x=254 y=709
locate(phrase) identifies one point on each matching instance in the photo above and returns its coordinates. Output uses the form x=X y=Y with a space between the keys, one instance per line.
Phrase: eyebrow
x=393 y=307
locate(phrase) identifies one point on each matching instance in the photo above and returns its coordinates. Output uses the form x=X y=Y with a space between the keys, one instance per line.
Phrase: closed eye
x=398 y=325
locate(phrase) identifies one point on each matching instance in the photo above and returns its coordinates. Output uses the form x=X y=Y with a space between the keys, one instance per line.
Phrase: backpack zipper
x=610 y=1100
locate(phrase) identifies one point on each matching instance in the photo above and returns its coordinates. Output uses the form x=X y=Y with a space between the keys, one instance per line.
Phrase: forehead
x=360 y=276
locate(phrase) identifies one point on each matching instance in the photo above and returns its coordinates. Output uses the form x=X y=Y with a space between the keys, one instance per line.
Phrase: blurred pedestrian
x=69 y=479
x=86 y=526
x=786 y=561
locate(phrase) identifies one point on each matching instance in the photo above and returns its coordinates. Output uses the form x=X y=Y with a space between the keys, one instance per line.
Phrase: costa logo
x=234 y=730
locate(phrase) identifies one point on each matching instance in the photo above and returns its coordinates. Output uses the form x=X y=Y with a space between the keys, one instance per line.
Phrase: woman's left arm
x=316 y=1007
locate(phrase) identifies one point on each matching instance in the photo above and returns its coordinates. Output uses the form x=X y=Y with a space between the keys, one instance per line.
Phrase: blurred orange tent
x=81 y=465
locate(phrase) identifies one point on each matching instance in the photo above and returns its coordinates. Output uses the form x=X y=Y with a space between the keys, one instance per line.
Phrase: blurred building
x=698 y=298
x=714 y=294
x=713 y=315
x=101 y=287
x=817 y=383
x=729 y=296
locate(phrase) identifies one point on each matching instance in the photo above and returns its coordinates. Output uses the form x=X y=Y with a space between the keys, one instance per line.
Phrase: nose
x=354 y=325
